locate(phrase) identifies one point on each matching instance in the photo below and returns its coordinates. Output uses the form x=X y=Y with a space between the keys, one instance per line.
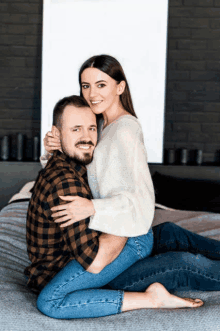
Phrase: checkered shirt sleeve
x=81 y=242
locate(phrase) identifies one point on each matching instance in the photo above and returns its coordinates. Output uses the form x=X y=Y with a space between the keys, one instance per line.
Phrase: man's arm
x=110 y=247
x=81 y=242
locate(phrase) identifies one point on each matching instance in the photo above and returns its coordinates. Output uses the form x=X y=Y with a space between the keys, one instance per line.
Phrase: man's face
x=78 y=133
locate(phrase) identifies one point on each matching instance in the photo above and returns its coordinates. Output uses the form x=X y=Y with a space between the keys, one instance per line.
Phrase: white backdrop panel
x=134 y=32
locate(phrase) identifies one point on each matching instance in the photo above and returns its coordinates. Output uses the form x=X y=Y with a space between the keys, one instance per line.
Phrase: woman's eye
x=85 y=86
x=101 y=85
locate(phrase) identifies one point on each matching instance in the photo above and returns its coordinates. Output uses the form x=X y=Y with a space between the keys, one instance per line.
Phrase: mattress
x=18 y=304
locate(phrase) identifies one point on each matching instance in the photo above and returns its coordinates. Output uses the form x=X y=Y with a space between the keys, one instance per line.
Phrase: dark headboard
x=14 y=175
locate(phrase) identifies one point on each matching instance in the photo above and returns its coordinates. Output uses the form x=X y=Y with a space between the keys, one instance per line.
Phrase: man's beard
x=86 y=159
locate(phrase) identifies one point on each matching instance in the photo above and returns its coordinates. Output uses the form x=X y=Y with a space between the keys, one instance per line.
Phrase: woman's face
x=100 y=90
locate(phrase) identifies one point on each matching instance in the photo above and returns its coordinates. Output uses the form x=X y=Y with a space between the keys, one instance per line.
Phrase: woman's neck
x=113 y=114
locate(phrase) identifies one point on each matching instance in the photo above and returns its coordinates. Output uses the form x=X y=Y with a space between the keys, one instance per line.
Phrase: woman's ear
x=121 y=87
x=55 y=131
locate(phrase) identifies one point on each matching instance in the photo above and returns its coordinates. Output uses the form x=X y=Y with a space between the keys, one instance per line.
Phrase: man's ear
x=55 y=131
x=121 y=87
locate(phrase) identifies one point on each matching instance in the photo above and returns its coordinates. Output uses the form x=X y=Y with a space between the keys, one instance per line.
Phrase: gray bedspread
x=18 y=305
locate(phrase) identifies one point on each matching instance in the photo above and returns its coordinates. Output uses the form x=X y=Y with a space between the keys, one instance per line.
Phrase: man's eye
x=75 y=129
x=93 y=129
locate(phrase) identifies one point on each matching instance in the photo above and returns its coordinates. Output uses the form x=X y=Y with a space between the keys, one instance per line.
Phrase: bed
x=18 y=305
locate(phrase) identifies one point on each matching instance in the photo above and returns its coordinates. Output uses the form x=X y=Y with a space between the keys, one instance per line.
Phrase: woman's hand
x=52 y=141
x=75 y=211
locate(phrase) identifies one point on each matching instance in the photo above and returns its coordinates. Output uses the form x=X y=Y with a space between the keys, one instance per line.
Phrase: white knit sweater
x=120 y=181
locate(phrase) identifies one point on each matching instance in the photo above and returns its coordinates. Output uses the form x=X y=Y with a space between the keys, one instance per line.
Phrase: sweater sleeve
x=127 y=203
x=44 y=158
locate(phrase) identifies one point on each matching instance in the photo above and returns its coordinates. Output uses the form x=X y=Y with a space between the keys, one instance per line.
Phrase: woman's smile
x=95 y=103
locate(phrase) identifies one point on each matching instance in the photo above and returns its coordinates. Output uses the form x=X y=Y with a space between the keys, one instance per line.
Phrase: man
x=50 y=246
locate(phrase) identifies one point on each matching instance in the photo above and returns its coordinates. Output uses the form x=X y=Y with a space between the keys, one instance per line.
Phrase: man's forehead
x=80 y=116
x=75 y=109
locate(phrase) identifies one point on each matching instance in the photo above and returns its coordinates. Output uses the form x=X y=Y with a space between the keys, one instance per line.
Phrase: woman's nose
x=92 y=92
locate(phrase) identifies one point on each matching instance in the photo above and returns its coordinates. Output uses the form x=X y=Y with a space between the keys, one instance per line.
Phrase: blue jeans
x=180 y=260
x=75 y=293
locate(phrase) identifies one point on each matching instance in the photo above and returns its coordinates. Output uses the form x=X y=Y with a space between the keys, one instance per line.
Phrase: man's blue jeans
x=75 y=293
x=180 y=260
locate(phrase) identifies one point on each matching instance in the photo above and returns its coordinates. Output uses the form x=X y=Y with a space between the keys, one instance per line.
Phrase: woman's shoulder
x=129 y=127
x=125 y=128
x=125 y=131
x=127 y=123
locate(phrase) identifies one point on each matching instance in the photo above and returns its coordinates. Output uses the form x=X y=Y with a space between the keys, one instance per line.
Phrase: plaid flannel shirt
x=50 y=247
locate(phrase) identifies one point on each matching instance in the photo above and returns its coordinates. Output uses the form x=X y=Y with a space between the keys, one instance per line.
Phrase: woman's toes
x=159 y=297
x=199 y=302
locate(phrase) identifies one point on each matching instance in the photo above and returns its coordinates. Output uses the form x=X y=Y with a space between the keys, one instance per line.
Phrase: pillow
x=187 y=194
x=24 y=193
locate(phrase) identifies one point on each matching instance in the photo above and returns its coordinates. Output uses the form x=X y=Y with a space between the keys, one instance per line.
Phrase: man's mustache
x=85 y=143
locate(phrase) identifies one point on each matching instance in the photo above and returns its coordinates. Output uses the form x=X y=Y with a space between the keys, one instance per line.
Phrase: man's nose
x=86 y=135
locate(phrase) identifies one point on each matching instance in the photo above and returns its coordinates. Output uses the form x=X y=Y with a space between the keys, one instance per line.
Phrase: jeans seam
x=88 y=303
x=138 y=248
x=139 y=251
x=120 y=301
x=63 y=284
x=171 y=270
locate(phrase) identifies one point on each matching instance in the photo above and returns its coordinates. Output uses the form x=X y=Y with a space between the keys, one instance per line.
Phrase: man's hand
x=110 y=247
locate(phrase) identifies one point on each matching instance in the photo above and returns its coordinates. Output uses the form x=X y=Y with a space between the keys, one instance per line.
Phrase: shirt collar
x=79 y=168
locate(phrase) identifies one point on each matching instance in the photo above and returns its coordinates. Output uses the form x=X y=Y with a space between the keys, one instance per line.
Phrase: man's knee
x=44 y=306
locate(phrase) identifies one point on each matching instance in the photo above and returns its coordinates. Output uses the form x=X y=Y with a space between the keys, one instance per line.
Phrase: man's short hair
x=73 y=100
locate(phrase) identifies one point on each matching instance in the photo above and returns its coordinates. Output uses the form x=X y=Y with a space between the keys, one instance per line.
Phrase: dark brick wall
x=192 y=116
x=20 y=67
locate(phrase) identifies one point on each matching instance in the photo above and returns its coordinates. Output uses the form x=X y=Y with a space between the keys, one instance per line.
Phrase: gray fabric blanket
x=18 y=305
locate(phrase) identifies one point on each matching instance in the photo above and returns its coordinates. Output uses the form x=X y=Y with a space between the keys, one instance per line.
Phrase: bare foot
x=158 y=297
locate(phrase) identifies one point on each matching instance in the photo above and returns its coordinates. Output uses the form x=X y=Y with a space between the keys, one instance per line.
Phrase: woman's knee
x=165 y=229
x=166 y=226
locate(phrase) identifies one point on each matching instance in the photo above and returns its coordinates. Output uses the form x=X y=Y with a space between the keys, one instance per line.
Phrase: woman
x=120 y=182
x=119 y=170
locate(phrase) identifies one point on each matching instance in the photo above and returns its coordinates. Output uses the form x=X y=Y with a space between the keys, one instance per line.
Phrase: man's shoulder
x=55 y=175
x=60 y=175
x=49 y=184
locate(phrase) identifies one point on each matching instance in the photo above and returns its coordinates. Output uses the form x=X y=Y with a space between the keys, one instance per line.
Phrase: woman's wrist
x=49 y=153
x=92 y=208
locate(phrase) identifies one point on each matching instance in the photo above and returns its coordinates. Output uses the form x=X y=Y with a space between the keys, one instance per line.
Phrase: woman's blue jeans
x=180 y=260
x=76 y=293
